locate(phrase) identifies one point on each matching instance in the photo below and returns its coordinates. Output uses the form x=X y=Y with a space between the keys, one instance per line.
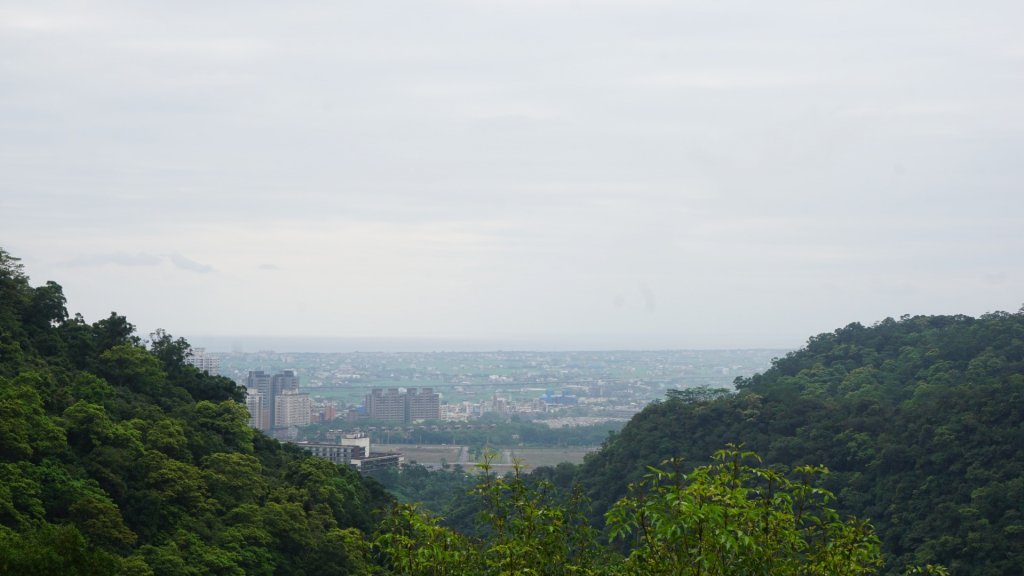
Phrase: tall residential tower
x=280 y=405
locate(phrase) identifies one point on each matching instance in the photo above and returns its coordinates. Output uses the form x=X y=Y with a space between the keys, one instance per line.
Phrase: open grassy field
x=433 y=455
x=430 y=455
x=534 y=457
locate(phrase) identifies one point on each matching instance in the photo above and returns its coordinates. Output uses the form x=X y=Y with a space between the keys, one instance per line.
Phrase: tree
x=133 y=368
x=171 y=352
x=730 y=518
x=26 y=432
x=234 y=478
x=733 y=517
x=533 y=530
x=114 y=330
x=219 y=427
x=47 y=307
x=101 y=521
x=15 y=292
x=413 y=543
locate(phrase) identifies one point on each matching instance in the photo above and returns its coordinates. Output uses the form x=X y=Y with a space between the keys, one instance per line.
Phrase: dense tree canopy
x=920 y=420
x=116 y=457
x=730 y=518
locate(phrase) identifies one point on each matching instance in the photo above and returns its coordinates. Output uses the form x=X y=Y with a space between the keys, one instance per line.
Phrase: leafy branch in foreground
x=529 y=532
x=533 y=533
x=733 y=517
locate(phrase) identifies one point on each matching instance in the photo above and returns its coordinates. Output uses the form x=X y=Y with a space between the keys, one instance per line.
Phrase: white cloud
x=624 y=169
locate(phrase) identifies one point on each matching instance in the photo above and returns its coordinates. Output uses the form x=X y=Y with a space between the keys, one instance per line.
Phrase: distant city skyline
x=327 y=344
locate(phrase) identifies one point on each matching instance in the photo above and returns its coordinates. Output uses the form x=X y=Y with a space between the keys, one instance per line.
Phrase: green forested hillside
x=118 y=458
x=920 y=420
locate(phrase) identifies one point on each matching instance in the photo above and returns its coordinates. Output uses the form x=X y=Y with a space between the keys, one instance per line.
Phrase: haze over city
x=515 y=174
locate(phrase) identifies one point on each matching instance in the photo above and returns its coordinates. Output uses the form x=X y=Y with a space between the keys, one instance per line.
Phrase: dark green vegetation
x=728 y=518
x=441 y=493
x=118 y=458
x=921 y=422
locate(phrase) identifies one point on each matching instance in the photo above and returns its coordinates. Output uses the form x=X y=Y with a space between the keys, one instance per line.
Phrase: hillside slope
x=118 y=458
x=920 y=420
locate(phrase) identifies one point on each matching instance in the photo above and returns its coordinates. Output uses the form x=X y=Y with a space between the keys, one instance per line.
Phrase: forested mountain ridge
x=118 y=458
x=920 y=420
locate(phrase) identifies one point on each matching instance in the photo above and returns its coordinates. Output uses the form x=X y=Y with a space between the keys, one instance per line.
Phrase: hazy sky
x=596 y=174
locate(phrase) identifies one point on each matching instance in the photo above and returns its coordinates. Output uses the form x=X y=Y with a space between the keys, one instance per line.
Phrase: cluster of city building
x=275 y=404
x=466 y=411
x=278 y=408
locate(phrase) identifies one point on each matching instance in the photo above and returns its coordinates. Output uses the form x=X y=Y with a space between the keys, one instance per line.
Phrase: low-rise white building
x=204 y=362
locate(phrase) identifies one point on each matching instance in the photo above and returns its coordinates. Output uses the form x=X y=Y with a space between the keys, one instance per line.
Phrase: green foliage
x=929 y=569
x=25 y=431
x=114 y=330
x=100 y=521
x=121 y=459
x=917 y=419
x=528 y=531
x=532 y=531
x=733 y=518
x=218 y=427
x=234 y=479
x=173 y=353
x=728 y=518
x=414 y=544
x=21 y=504
x=442 y=493
x=116 y=458
x=15 y=294
x=135 y=369
x=48 y=549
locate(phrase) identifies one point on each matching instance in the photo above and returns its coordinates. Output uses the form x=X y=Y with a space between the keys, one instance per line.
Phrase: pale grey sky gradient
x=621 y=174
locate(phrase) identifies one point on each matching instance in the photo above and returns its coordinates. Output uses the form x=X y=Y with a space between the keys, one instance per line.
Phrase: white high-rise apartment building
x=257 y=415
x=258 y=382
x=292 y=408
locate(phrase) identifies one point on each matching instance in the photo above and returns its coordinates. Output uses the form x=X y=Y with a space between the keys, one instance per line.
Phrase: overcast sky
x=622 y=174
